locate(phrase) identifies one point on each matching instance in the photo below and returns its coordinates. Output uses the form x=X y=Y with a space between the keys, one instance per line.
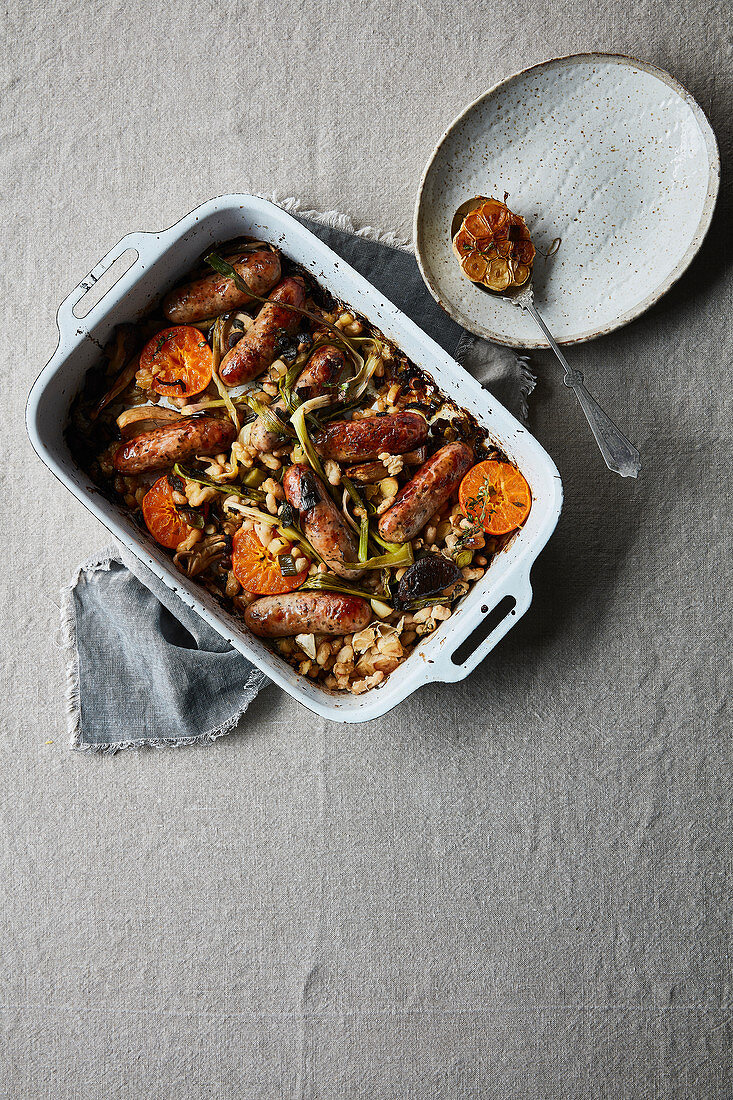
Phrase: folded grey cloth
x=142 y=668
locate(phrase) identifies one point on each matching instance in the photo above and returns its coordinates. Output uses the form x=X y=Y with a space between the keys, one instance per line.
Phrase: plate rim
x=711 y=144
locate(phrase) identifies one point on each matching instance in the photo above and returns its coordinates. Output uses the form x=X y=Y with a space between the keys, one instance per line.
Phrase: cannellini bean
x=332 y=471
x=389 y=646
x=360 y=686
x=232 y=586
x=386 y=664
x=270 y=485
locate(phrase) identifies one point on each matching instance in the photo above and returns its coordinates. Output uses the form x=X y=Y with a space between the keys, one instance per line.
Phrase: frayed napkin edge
x=72 y=693
x=334 y=219
x=475 y=355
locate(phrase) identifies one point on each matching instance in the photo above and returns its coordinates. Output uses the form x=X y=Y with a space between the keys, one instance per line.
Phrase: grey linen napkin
x=142 y=668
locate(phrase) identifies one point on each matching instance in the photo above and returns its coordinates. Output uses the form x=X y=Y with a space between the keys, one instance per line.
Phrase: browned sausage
x=322 y=523
x=256 y=350
x=358 y=440
x=427 y=491
x=193 y=435
x=323 y=369
x=216 y=294
x=369 y=472
x=307 y=613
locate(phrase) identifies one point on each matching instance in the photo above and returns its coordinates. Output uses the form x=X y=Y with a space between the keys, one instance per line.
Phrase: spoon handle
x=619 y=455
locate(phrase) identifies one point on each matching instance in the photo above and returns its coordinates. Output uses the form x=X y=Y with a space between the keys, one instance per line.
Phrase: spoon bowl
x=512 y=294
x=621 y=456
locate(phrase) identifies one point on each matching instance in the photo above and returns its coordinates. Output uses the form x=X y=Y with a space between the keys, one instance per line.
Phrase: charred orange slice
x=495 y=496
x=258 y=570
x=162 y=518
x=179 y=360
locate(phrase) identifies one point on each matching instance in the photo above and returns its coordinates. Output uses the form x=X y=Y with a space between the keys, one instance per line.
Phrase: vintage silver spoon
x=619 y=454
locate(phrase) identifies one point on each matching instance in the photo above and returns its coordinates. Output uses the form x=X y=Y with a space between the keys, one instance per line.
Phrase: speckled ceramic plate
x=607 y=153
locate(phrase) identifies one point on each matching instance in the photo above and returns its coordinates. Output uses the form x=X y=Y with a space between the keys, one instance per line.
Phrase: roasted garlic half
x=493 y=246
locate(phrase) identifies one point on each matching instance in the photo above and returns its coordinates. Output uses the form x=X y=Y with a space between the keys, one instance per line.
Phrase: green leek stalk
x=250 y=492
x=223 y=391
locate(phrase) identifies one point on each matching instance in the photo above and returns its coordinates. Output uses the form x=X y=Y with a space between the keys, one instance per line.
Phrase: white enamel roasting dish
x=457 y=646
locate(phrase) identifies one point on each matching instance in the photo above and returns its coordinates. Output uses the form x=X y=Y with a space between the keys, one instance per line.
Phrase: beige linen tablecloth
x=515 y=887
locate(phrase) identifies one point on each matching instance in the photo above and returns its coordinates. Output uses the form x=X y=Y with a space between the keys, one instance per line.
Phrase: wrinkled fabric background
x=511 y=888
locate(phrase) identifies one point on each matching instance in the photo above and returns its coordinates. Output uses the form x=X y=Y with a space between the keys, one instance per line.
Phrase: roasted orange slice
x=258 y=570
x=495 y=496
x=162 y=517
x=179 y=360
x=493 y=246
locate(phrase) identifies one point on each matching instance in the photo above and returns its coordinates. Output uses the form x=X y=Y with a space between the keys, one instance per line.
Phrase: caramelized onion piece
x=142 y=418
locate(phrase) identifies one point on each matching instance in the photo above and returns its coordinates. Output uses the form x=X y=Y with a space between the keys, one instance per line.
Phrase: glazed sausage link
x=215 y=294
x=426 y=492
x=324 y=368
x=154 y=450
x=256 y=350
x=359 y=440
x=369 y=472
x=322 y=523
x=307 y=613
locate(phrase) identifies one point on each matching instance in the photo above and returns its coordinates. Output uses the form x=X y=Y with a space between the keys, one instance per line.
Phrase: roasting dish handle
x=460 y=656
x=146 y=247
